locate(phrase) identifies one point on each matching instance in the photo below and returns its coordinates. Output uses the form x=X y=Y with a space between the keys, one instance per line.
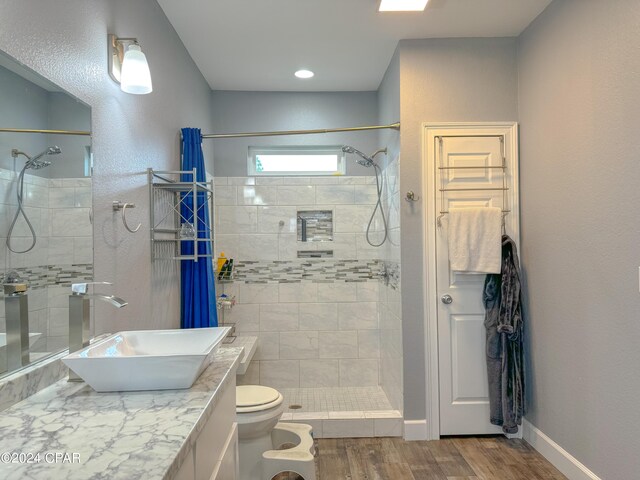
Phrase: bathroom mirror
x=46 y=235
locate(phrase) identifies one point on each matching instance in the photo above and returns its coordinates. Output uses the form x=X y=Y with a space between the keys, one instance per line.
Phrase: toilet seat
x=256 y=398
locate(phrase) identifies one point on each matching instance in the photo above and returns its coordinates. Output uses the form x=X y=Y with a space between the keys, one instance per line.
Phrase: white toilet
x=258 y=410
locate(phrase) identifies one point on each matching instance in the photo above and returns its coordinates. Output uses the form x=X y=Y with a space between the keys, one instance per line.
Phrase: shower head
x=55 y=150
x=365 y=160
x=35 y=163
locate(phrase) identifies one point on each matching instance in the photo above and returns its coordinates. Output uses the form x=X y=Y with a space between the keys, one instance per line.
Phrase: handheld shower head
x=33 y=163
x=348 y=149
x=54 y=150
x=365 y=160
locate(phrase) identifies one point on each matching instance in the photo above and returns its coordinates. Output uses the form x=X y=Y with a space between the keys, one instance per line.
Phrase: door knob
x=446 y=299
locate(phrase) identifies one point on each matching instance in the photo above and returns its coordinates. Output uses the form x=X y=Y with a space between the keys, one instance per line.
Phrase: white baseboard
x=416 y=430
x=557 y=456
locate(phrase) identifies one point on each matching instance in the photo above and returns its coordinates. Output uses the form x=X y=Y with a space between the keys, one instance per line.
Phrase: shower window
x=305 y=161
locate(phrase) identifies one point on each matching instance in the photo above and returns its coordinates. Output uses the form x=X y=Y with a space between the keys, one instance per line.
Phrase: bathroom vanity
x=171 y=434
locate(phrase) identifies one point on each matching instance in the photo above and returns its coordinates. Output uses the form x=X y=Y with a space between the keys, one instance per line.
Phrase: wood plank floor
x=461 y=458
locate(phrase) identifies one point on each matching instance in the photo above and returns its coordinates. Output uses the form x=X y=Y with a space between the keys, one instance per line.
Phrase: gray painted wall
x=66 y=43
x=579 y=103
x=22 y=105
x=441 y=80
x=269 y=111
x=389 y=110
x=66 y=113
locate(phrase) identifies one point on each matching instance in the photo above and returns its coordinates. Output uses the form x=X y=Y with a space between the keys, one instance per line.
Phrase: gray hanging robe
x=504 y=330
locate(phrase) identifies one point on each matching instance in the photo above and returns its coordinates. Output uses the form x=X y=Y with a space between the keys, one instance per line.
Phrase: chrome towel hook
x=411 y=196
x=118 y=205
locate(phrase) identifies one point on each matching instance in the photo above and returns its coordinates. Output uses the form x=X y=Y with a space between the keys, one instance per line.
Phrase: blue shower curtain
x=198 y=291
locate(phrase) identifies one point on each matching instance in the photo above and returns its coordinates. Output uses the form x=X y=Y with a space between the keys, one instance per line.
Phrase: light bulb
x=304 y=74
x=135 y=77
x=402 y=5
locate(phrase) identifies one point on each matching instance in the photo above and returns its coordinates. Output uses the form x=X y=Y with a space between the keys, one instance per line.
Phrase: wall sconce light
x=128 y=66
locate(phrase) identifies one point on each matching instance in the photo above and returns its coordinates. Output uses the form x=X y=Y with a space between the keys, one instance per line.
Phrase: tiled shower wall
x=390 y=304
x=316 y=319
x=59 y=211
x=310 y=334
x=255 y=218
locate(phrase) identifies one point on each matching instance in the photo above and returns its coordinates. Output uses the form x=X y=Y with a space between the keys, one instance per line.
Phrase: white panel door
x=462 y=372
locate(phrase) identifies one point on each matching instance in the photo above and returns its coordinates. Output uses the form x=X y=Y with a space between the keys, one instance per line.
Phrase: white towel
x=475 y=239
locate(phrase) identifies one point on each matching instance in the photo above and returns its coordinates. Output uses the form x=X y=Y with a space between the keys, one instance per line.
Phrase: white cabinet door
x=462 y=372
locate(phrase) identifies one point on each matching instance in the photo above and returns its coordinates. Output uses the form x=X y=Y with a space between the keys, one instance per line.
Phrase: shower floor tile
x=339 y=412
x=348 y=402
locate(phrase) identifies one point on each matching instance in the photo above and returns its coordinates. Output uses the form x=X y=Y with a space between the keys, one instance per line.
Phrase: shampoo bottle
x=221 y=261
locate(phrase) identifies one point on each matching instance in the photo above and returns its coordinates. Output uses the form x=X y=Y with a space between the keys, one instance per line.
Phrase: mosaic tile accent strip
x=315 y=253
x=65 y=275
x=60 y=275
x=316 y=270
x=315 y=225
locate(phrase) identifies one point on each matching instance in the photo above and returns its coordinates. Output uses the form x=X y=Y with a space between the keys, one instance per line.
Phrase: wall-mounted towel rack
x=168 y=190
x=504 y=189
x=119 y=206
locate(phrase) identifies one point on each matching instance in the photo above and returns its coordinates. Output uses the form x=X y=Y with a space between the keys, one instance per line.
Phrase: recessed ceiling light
x=304 y=74
x=402 y=5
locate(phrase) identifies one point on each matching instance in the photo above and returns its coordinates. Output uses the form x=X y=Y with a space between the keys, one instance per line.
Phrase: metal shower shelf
x=184 y=186
x=167 y=193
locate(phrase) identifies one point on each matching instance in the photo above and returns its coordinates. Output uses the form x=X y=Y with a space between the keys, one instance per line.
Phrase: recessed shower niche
x=315 y=225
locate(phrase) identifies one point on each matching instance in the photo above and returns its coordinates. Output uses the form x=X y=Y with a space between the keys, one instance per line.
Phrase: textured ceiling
x=258 y=44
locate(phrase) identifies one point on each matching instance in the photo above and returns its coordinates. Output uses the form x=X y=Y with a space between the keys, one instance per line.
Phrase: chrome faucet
x=79 y=316
x=11 y=277
x=81 y=289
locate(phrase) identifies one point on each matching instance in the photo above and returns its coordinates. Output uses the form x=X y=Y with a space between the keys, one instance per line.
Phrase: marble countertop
x=119 y=435
x=250 y=344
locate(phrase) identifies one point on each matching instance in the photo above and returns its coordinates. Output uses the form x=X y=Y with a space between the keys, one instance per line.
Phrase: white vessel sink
x=147 y=359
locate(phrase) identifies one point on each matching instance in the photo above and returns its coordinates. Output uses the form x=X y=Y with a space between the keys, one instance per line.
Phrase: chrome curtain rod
x=394 y=126
x=50 y=132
